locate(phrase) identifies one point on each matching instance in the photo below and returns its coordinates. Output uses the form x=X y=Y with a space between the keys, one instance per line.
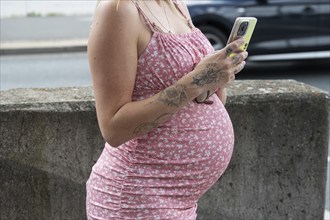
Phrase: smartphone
x=243 y=27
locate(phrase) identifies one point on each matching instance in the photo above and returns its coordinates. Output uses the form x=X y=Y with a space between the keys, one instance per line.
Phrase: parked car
x=286 y=29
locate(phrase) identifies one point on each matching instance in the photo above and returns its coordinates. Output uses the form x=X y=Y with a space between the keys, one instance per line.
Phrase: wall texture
x=50 y=140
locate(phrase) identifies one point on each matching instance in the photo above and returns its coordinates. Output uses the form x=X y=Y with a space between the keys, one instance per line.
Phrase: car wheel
x=216 y=37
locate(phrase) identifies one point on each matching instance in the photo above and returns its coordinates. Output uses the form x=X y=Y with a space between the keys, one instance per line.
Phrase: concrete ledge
x=50 y=140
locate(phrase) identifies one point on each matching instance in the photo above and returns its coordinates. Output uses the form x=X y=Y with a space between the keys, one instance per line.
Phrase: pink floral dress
x=161 y=175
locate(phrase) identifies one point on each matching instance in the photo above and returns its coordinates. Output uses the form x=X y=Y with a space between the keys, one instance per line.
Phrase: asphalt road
x=44 y=70
x=314 y=73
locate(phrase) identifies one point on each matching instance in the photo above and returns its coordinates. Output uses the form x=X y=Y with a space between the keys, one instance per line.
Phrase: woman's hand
x=218 y=69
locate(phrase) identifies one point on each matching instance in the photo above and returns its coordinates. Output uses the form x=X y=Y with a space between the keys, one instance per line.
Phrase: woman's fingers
x=239 y=58
x=239 y=67
x=233 y=46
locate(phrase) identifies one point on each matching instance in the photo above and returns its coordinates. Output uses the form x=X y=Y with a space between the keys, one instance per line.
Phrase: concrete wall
x=50 y=140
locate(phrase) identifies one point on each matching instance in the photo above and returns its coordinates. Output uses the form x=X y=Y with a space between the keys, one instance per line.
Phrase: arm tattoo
x=148 y=126
x=173 y=95
x=210 y=75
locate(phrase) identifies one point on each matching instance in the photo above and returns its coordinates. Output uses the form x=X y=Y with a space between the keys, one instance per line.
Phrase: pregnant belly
x=165 y=172
x=190 y=151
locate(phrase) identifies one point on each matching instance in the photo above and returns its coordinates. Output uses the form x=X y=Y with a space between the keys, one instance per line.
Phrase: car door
x=323 y=26
x=287 y=26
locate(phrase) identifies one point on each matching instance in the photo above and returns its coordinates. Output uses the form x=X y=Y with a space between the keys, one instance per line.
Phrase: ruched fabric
x=161 y=175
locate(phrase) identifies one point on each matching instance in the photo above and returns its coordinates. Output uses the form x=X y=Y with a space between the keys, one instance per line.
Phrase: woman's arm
x=113 y=56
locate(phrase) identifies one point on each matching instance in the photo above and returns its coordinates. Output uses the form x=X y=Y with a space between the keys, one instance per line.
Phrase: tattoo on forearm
x=174 y=95
x=148 y=126
x=210 y=75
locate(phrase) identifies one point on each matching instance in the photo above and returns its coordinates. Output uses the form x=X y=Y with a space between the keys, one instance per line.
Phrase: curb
x=22 y=51
x=38 y=47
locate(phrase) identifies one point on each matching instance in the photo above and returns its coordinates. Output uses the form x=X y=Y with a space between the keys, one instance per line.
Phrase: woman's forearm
x=137 y=118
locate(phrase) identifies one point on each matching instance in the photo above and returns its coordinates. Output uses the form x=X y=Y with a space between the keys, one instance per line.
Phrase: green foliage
x=54 y=14
x=33 y=14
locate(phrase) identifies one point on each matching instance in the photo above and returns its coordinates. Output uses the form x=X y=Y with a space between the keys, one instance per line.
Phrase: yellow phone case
x=236 y=31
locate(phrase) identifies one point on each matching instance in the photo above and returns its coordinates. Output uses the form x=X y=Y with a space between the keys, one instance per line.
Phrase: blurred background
x=43 y=43
x=291 y=40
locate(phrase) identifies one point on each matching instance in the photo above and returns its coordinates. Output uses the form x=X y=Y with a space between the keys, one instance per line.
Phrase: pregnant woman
x=163 y=149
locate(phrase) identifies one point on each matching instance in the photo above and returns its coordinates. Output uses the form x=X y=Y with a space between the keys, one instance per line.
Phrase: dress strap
x=152 y=26
x=178 y=7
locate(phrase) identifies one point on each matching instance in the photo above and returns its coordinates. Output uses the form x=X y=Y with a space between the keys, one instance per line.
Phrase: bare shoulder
x=117 y=18
x=116 y=9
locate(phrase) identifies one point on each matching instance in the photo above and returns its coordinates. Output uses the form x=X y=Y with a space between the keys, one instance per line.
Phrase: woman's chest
x=168 y=58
